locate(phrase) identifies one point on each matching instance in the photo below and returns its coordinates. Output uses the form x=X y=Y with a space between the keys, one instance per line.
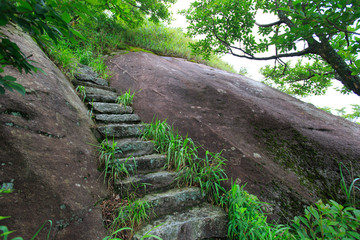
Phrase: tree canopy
x=54 y=18
x=326 y=32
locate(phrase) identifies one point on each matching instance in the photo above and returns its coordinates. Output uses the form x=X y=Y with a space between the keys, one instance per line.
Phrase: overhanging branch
x=277 y=56
x=277 y=23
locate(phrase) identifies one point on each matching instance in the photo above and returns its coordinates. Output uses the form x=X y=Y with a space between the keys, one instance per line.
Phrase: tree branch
x=135 y=6
x=277 y=23
x=277 y=56
x=341 y=30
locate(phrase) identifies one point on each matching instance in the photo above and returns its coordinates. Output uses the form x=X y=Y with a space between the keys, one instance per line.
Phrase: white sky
x=332 y=99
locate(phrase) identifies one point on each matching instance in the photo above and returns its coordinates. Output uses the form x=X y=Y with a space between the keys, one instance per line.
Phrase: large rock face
x=287 y=151
x=46 y=153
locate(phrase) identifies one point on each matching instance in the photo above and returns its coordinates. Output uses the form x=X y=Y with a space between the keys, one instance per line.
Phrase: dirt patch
x=248 y=121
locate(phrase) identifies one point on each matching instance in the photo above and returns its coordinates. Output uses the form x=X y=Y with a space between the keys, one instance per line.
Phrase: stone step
x=117 y=118
x=133 y=147
x=147 y=183
x=86 y=73
x=91 y=79
x=201 y=222
x=121 y=130
x=99 y=95
x=174 y=200
x=143 y=164
x=110 y=108
x=76 y=83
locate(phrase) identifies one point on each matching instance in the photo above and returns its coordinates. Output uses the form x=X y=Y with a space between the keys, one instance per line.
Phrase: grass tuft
x=126 y=99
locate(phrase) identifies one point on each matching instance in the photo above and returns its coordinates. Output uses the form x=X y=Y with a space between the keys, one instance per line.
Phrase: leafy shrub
x=328 y=221
x=246 y=219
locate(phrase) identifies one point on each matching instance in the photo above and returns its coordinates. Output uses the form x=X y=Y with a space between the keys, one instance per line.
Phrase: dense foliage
x=107 y=36
x=53 y=18
x=326 y=32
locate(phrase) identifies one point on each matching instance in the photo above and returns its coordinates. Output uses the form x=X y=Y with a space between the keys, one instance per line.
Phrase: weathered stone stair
x=177 y=213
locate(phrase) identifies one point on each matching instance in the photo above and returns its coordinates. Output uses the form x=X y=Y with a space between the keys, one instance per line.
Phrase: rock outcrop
x=47 y=155
x=175 y=213
x=287 y=151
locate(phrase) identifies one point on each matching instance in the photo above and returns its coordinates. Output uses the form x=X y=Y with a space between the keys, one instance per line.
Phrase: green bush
x=328 y=221
x=246 y=218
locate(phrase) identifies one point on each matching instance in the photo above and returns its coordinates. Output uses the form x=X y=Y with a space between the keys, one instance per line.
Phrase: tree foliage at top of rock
x=53 y=18
x=324 y=31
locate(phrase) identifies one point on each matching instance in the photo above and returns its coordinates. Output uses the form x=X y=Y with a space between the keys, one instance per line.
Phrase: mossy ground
x=317 y=170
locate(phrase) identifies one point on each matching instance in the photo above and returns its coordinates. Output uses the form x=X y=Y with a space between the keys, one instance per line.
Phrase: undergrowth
x=247 y=221
x=325 y=220
x=106 y=36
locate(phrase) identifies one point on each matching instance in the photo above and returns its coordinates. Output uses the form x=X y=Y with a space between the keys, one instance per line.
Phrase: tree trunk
x=326 y=51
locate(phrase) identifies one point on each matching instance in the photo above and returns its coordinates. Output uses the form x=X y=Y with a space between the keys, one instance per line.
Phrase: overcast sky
x=332 y=99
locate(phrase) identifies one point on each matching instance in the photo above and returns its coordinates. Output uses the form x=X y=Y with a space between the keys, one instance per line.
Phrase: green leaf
x=66 y=17
x=19 y=88
x=93 y=2
x=357 y=63
x=354 y=234
x=9 y=78
x=284 y=9
x=40 y=9
x=3 y=20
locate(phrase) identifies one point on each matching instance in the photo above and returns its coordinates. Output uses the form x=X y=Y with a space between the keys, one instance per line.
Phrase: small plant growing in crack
x=81 y=90
x=90 y=111
x=107 y=152
x=126 y=99
x=133 y=214
x=112 y=168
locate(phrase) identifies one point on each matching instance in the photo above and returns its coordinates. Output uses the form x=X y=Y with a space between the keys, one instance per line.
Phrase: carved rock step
x=99 y=95
x=121 y=130
x=111 y=108
x=202 y=222
x=148 y=183
x=143 y=164
x=117 y=118
x=86 y=73
x=174 y=200
x=90 y=84
x=133 y=147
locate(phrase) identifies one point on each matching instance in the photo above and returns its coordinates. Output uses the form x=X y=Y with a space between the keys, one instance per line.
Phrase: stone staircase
x=176 y=213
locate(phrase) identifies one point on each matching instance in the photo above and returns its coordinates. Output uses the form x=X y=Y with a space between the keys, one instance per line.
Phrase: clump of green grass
x=349 y=190
x=182 y=155
x=107 y=155
x=129 y=217
x=246 y=218
x=126 y=99
x=68 y=54
x=133 y=214
x=81 y=90
x=179 y=151
x=168 y=41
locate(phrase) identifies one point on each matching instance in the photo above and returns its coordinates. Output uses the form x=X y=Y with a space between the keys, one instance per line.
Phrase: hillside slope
x=288 y=152
x=46 y=155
